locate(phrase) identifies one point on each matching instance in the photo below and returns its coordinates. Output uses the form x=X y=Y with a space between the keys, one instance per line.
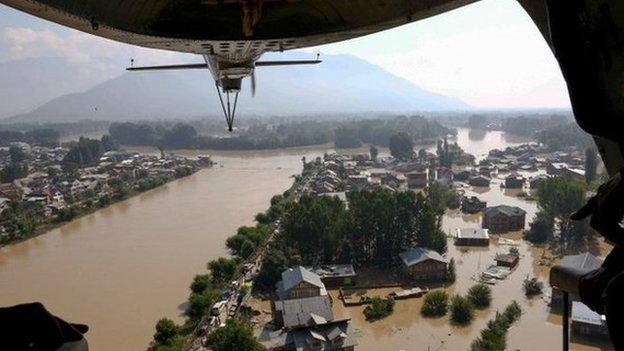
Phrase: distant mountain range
x=341 y=84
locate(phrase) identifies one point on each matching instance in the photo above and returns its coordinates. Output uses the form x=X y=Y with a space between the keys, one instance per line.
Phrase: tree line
x=267 y=135
x=43 y=137
x=87 y=152
x=377 y=225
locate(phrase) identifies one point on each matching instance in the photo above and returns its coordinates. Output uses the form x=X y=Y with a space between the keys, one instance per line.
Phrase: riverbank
x=53 y=194
x=122 y=268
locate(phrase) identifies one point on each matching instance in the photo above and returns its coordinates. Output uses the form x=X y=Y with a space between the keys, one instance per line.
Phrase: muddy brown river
x=123 y=267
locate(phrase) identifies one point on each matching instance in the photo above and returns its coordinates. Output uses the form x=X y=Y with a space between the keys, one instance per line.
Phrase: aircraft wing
x=222 y=26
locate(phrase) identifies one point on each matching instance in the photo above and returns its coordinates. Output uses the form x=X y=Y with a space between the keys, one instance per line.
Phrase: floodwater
x=538 y=329
x=123 y=267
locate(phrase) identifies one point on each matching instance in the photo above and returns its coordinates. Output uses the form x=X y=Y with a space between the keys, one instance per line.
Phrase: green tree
x=480 y=295
x=223 y=269
x=166 y=329
x=13 y=171
x=383 y=224
x=17 y=155
x=429 y=232
x=273 y=264
x=198 y=304
x=346 y=137
x=493 y=338
x=247 y=249
x=401 y=146
x=234 y=336
x=374 y=152
x=532 y=287
x=557 y=198
x=200 y=283
x=314 y=225
x=541 y=229
x=462 y=310
x=379 y=308
x=435 y=304
x=591 y=163
x=450 y=271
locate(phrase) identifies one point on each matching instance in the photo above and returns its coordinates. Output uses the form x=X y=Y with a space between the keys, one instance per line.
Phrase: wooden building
x=514 y=181
x=335 y=275
x=586 y=322
x=507 y=260
x=480 y=180
x=298 y=283
x=472 y=237
x=421 y=263
x=472 y=204
x=503 y=218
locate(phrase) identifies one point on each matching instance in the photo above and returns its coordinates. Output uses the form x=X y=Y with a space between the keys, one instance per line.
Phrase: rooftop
x=582 y=313
x=308 y=311
x=582 y=261
x=328 y=335
x=335 y=270
x=505 y=210
x=472 y=233
x=420 y=254
x=293 y=276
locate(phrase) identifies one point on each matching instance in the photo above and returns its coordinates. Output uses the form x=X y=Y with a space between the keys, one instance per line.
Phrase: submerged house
x=417 y=179
x=334 y=275
x=308 y=311
x=587 y=322
x=583 y=262
x=503 y=218
x=479 y=180
x=298 y=283
x=472 y=204
x=507 y=260
x=514 y=181
x=472 y=237
x=335 y=335
x=421 y=263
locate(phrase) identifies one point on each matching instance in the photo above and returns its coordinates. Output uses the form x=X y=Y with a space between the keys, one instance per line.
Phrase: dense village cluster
x=51 y=190
x=302 y=316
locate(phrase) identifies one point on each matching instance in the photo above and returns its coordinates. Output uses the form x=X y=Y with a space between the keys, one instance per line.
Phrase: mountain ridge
x=341 y=84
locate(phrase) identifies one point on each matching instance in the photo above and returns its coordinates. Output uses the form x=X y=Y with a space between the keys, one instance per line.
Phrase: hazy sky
x=488 y=54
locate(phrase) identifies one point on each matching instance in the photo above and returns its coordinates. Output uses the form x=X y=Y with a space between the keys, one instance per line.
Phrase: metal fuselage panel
x=235 y=31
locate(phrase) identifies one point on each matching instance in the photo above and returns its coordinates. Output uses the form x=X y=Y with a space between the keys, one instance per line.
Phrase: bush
x=379 y=308
x=450 y=271
x=541 y=229
x=198 y=304
x=462 y=310
x=223 y=269
x=435 y=304
x=233 y=337
x=480 y=295
x=493 y=338
x=166 y=329
x=532 y=287
x=200 y=283
x=246 y=240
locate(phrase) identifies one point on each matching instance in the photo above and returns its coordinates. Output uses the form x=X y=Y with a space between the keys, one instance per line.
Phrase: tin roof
x=420 y=254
